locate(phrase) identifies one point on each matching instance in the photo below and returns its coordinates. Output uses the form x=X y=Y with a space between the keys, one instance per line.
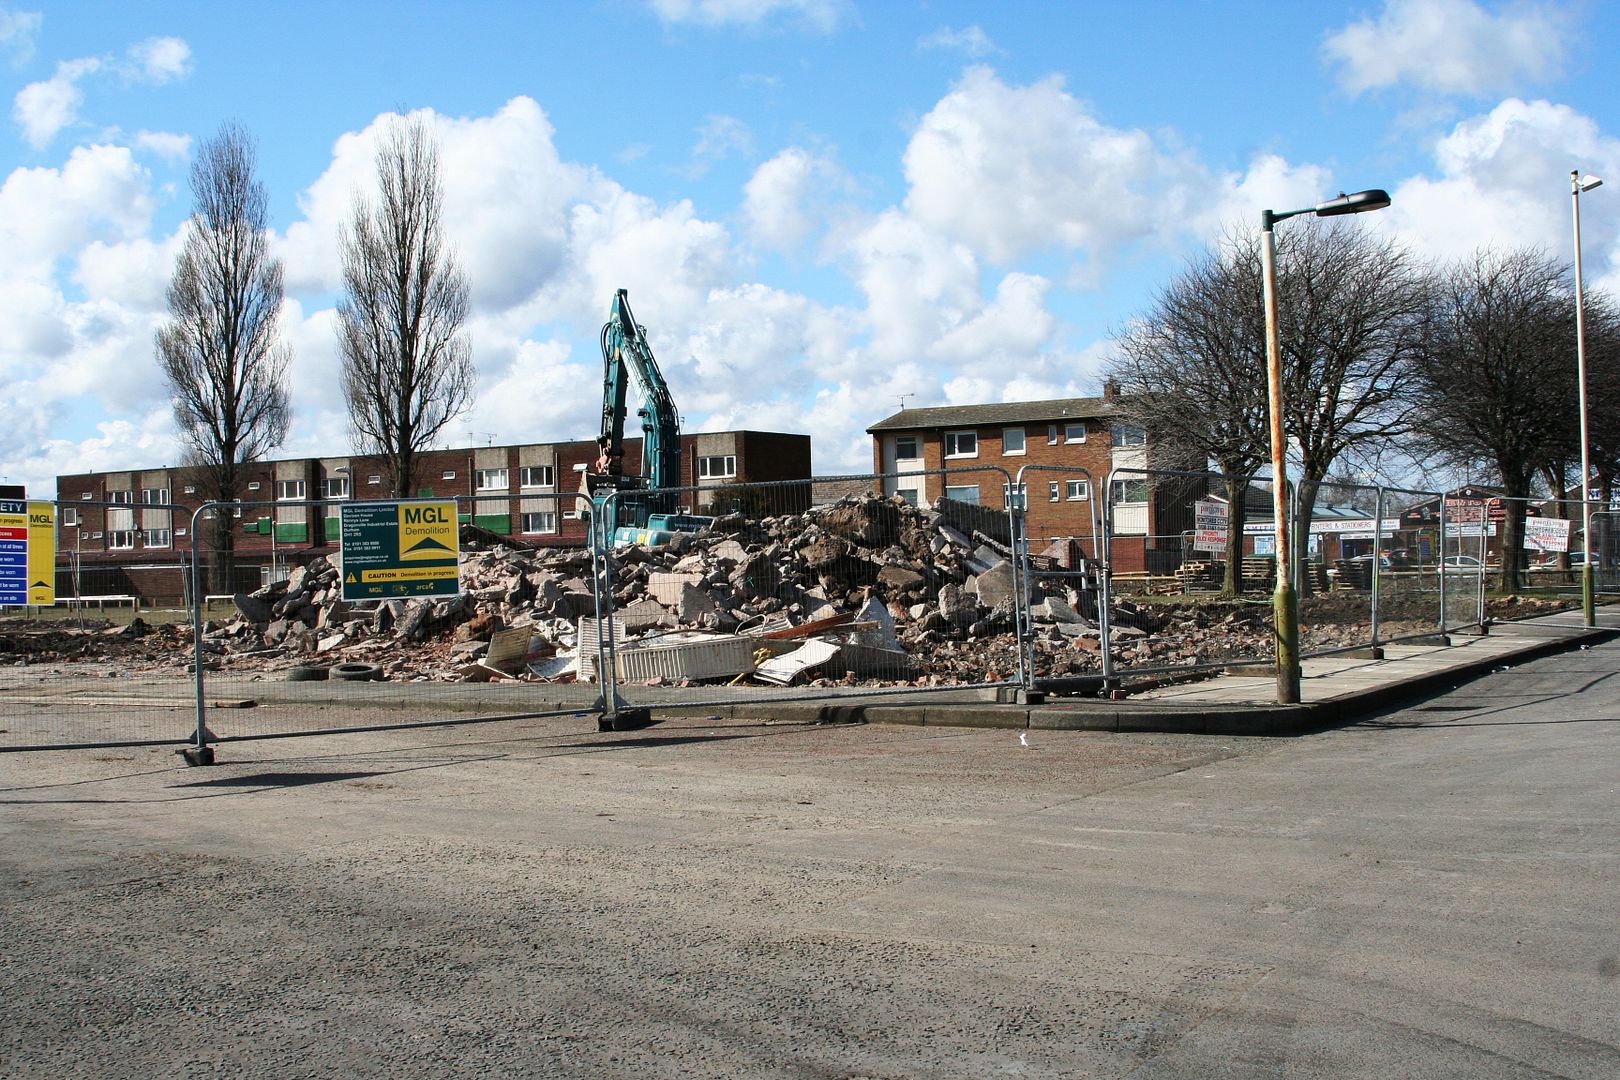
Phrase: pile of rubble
x=869 y=591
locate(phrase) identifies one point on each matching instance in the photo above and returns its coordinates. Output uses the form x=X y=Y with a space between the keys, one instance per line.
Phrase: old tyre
x=356 y=672
x=306 y=674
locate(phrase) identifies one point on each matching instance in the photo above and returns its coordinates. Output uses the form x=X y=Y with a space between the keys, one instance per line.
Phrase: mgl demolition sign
x=394 y=549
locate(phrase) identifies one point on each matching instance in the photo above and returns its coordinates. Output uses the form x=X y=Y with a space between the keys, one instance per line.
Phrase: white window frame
x=1123 y=488
x=492 y=479
x=1076 y=490
x=708 y=471
x=373 y=479
x=955 y=492
x=120 y=539
x=1021 y=440
x=915 y=442
x=953 y=444
x=1128 y=436
x=1021 y=491
x=448 y=474
x=70 y=517
x=1051 y=434
x=253 y=485
x=546 y=473
x=290 y=490
x=191 y=489
x=341 y=483
x=1054 y=491
x=536 y=518
x=155 y=496
x=121 y=498
x=1074 y=431
x=155 y=538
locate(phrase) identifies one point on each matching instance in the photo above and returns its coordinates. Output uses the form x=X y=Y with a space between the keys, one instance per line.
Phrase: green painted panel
x=293 y=532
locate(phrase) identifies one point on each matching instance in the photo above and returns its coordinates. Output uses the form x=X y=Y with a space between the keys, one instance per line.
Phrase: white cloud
x=1502 y=179
x=1450 y=46
x=18 y=29
x=1011 y=170
x=44 y=108
x=969 y=39
x=48 y=214
x=161 y=59
x=823 y=15
x=165 y=144
x=789 y=196
x=719 y=138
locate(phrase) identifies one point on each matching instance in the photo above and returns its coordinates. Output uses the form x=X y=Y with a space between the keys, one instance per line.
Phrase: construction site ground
x=1425 y=891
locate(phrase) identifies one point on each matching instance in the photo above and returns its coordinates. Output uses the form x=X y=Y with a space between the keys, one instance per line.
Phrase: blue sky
x=818 y=206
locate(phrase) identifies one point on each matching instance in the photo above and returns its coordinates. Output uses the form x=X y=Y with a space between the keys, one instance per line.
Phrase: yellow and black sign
x=427 y=531
x=41 y=553
x=398 y=549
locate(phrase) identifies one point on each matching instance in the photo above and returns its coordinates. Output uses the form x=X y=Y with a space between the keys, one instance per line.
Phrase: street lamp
x=1285 y=602
x=1578 y=184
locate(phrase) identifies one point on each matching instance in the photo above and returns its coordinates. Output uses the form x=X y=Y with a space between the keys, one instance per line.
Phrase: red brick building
x=129 y=533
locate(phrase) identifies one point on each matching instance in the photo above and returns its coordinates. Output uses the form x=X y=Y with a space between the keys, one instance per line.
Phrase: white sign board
x=1546 y=534
x=1210 y=524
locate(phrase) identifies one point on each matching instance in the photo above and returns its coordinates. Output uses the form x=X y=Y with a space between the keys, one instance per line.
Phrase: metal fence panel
x=815 y=590
x=1061 y=578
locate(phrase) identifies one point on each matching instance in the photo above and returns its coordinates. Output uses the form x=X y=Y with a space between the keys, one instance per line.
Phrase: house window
x=122 y=498
x=254 y=486
x=1075 y=432
x=1129 y=435
x=86 y=494
x=154 y=538
x=1012 y=440
x=540 y=521
x=537 y=476
x=961 y=444
x=906 y=448
x=716 y=467
x=966 y=493
x=374 y=479
x=335 y=487
x=1079 y=491
x=1015 y=496
x=1051 y=435
x=1129 y=491
x=289 y=489
x=155 y=496
x=191 y=489
x=489 y=479
x=449 y=474
x=1052 y=491
x=120 y=539
x=70 y=516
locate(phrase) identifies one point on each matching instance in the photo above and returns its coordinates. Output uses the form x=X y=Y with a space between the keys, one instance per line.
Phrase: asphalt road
x=1431 y=893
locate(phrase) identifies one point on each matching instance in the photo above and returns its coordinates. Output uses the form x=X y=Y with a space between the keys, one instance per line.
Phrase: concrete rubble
x=867 y=592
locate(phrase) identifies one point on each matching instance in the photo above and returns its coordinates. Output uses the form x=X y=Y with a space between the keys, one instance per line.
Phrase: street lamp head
x=1588 y=182
x=1358 y=203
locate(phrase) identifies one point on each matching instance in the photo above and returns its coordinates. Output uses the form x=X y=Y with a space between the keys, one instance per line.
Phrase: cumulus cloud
x=823 y=15
x=1449 y=46
x=1502 y=179
x=969 y=39
x=42 y=109
x=789 y=196
x=18 y=29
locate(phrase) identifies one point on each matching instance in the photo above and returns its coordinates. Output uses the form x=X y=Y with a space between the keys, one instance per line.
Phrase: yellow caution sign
x=410 y=573
x=428 y=531
x=41 y=554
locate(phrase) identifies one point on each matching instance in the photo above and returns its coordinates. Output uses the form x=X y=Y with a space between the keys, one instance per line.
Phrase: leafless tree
x=1497 y=375
x=1349 y=308
x=218 y=349
x=407 y=366
x=1191 y=371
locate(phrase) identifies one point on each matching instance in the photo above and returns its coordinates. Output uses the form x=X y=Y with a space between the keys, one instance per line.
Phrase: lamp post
x=1285 y=601
x=1578 y=184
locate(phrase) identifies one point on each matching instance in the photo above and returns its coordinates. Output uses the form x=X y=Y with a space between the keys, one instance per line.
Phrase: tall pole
x=1588 y=601
x=1284 y=601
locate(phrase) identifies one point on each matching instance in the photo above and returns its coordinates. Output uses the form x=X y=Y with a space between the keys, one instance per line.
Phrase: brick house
x=127 y=533
x=1064 y=449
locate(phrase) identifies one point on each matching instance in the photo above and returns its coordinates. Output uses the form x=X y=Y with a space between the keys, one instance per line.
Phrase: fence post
x=198 y=752
x=1105 y=585
x=1378 y=555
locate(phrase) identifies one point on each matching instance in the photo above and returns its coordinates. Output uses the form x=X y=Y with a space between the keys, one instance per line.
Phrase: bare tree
x=1350 y=316
x=218 y=350
x=407 y=367
x=1497 y=375
x=1191 y=371
x=1349 y=308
